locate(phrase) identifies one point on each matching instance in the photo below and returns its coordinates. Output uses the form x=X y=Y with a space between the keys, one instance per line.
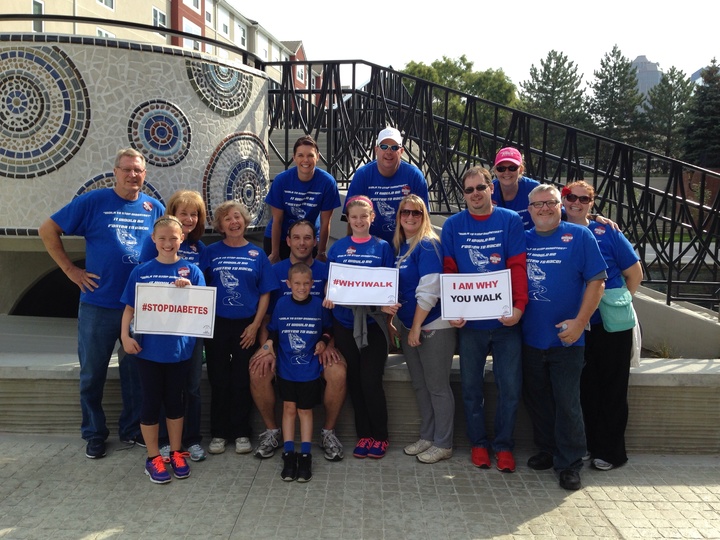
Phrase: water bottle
x=564 y=343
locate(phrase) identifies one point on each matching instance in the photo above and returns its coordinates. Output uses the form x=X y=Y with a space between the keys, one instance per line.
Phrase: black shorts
x=305 y=394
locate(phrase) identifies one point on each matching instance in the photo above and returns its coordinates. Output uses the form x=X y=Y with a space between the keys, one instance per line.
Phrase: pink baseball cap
x=509 y=154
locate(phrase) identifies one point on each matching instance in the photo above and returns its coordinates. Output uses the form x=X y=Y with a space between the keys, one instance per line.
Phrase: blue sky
x=506 y=35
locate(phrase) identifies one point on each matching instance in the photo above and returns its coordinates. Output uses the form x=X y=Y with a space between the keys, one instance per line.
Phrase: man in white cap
x=386 y=181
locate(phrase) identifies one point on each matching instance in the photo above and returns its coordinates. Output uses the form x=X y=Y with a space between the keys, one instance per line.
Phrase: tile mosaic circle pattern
x=225 y=90
x=44 y=110
x=160 y=131
x=238 y=170
x=107 y=180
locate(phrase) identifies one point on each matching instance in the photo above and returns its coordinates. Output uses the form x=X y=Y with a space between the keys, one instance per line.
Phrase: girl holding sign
x=163 y=360
x=366 y=354
x=428 y=341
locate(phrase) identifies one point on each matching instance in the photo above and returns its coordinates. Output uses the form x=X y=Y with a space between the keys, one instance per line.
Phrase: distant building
x=648 y=74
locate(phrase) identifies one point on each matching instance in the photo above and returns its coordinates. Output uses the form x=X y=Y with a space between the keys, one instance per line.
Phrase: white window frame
x=110 y=4
x=38 y=26
x=300 y=73
x=209 y=15
x=240 y=36
x=101 y=32
x=191 y=28
x=156 y=13
x=223 y=22
x=193 y=4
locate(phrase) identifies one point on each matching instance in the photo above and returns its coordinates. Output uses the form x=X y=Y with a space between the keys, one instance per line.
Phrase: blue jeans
x=506 y=345
x=98 y=331
x=552 y=396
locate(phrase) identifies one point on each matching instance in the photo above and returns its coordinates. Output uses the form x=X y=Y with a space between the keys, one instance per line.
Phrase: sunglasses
x=479 y=187
x=538 y=205
x=413 y=213
x=582 y=198
x=503 y=168
x=394 y=147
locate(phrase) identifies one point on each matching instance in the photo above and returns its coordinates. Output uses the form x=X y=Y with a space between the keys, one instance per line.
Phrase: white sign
x=350 y=285
x=178 y=311
x=476 y=296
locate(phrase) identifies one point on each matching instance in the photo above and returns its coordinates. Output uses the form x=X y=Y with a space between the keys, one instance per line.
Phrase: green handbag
x=616 y=310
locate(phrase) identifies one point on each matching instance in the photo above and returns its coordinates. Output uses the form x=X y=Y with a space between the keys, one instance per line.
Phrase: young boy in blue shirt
x=299 y=331
x=163 y=361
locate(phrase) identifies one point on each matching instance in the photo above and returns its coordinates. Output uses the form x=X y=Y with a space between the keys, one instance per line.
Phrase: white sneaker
x=268 y=443
x=602 y=465
x=418 y=447
x=435 y=454
x=165 y=451
x=242 y=445
x=332 y=445
x=196 y=452
x=217 y=445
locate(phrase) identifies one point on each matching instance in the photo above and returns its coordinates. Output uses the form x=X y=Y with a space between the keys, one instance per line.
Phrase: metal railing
x=668 y=209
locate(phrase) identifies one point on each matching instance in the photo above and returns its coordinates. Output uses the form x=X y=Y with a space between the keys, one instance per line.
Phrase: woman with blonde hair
x=428 y=341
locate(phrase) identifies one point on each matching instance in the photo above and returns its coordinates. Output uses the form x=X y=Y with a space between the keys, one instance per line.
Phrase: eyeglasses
x=582 y=198
x=538 y=205
x=136 y=171
x=503 y=168
x=394 y=147
x=479 y=187
x=413 y=213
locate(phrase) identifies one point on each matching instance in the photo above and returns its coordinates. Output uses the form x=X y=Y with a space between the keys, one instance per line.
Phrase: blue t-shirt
x=114 y=230
x=187 y=251
x=301 y=200
x=319 y=275
x=299 y=327
x=374 y=253
x=558 y=268
x=483 y=246
x=425 y=259
x=386 y=193
x=619 y=255
x=521 y=201
x=240 y=274
x=157 y=347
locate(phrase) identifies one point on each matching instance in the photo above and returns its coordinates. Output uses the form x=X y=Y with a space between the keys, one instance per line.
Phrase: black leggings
x=365 y=368
x=162 y=384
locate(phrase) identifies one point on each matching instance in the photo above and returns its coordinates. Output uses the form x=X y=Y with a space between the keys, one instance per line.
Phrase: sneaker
x=505 y=461
x=331 y=444
x=165 y=451
x=136 y=440
x=217 y=445
x=95 y=449
x=268 y=443
x=242 y=445
x=155 y=469
x=363 y=447
x=480 y=457
x=418 y=447
x=196 y=452
x=587 y=456
x=602 y=465
x=179 y=464
x=541 y=461
x=304 y=467
x=290 y=466
x=435 y=454
x=378 y=449
x=570 y=480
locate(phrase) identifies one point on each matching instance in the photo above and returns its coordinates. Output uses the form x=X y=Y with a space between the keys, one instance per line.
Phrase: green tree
x=666 y=111
x=615 y=102
x=555 y=91
x=702 y=144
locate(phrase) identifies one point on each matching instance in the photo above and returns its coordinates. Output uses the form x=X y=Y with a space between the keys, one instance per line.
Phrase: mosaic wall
x=68 y=103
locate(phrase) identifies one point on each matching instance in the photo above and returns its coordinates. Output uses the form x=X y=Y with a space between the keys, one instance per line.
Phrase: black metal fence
x=668 y=209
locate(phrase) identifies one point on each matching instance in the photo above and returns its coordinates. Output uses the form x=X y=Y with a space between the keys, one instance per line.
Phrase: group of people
x=275 y=329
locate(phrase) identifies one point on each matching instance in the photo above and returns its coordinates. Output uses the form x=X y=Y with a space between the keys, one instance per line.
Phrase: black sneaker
x=304 y=467
x=95 y=449
x=290 y=466
x=136 y=440
x=541 y=461
x=570 y=479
